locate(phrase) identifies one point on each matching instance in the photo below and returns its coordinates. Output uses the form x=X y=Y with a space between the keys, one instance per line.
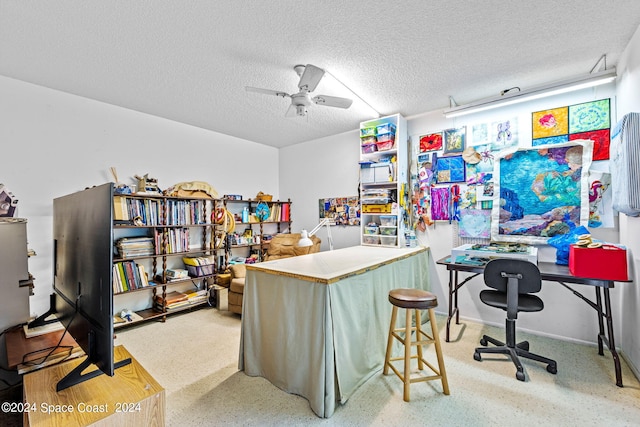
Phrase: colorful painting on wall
x=341 y=210
x=589 y=116
x=504 y=134
x=601 y=141
x=440 y=203
x=550 y=123
x=431 y=142
x=600 y=200
x=454 y=140
x=450 y=169
x=482 y=171
x=589 y=120
x=475 y=223
x=479 y=134
x=539 y=191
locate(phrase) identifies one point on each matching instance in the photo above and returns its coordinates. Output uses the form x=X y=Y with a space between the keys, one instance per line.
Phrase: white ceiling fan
x=310 y=76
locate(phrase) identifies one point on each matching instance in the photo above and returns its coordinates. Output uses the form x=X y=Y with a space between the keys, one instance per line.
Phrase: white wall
x=629 y=101
x=54 y=144
x=320 y=169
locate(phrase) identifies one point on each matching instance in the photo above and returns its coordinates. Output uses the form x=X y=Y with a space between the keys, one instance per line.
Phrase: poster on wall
x=540 y=191
x=340 y=210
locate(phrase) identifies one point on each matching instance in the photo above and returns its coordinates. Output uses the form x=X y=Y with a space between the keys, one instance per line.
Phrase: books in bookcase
x=128 y=276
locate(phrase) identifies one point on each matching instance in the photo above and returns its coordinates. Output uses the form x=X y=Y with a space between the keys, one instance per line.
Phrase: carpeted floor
x=195 y=357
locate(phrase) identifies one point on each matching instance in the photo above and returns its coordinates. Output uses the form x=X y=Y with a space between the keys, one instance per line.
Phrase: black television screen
x=83 y=261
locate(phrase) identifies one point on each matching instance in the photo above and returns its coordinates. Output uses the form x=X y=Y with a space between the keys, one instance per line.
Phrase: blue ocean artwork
x=540 y=191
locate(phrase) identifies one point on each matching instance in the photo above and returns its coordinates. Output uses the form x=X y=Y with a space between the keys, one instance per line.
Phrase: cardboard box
x=608 y=262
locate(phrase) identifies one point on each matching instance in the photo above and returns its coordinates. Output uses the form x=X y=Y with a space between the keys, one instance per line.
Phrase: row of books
x=177 y=240
x=185 y=212
x=127 y=209
x=279 y=212
x=128 y=276
x=149 y=211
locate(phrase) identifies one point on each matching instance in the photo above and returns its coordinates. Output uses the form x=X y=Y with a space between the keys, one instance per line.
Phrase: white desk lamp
x=306 y=241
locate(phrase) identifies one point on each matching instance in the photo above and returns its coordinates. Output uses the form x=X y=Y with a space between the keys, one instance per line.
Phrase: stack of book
x=129 y=247
x=197 y=295
x=173 y=300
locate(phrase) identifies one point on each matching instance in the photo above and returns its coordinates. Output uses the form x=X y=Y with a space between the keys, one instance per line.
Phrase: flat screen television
x=83 y=262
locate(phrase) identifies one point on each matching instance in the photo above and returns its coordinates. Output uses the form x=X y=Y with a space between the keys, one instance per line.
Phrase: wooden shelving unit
x=170 y=221
x=280 y=221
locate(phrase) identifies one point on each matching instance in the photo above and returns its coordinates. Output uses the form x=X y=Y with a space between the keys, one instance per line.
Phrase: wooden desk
x=130 y=398
x=316 y=325
x=28 y=354
x=551 y=272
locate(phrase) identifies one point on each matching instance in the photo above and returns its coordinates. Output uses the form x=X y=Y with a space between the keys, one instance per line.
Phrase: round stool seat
x=413 y=298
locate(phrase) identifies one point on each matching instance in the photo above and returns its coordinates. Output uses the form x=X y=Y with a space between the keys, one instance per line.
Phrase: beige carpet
x=195 y=357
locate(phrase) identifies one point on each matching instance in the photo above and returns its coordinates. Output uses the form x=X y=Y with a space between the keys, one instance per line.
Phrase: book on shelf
x=128 y=276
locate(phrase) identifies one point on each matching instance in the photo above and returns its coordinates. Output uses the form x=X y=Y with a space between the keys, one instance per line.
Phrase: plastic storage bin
x=369 y=139
x=388 y=240
x=368 y=131
x=200 y=270
x=387 y=230
x=369 y=148
x=386 y=128
x=388 y=220
x=371 y=229
x=371 y=239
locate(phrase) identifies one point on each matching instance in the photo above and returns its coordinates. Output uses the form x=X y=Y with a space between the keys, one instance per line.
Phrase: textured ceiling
x=189 y=61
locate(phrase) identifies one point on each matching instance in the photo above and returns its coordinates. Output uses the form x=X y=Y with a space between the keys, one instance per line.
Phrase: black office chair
x=514 y=281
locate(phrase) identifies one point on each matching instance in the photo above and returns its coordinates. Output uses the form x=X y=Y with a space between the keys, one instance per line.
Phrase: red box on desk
x=608 y=262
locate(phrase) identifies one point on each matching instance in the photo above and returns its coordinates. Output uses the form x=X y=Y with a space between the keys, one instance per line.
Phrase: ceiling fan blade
x=291 y=112
x=332 y=101
x=267 y=91
x=310 y=78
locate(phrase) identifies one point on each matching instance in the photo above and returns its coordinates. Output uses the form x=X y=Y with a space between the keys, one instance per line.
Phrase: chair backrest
x=497 y=272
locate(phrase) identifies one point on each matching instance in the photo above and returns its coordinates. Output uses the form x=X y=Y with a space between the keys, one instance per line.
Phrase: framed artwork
x=450 y=169
x=340 y=210
x=550 y=123
x=589 y=116
x=538 y=191
x=431 y=142
x=504 y=134
x=440 y=203
x=479 y=134
x=475 y=223
x=454 y=140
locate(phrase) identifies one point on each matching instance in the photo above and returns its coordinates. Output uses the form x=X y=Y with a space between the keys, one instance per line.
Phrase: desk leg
x=610 y=341
x=453 y=301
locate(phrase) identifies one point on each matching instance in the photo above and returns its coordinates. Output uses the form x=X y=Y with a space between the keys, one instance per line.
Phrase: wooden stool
x=414 y=300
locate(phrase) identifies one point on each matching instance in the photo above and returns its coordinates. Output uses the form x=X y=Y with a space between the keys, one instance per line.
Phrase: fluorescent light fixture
x=512 y=97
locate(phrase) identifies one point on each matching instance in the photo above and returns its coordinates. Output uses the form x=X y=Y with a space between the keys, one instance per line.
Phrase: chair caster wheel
x=483 y=342
x=520 y=376
x=476 y=356
x=552 y=369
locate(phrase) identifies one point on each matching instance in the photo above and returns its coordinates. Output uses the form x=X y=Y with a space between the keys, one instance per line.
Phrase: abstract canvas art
x=440 y=203
x=431 y=142
x=540 y=191
x=589 y=120
x=475 y=223
x=450 y=169
x=589 y=116
x=454 y=140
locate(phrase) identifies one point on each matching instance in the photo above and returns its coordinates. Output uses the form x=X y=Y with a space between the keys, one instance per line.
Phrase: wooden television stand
x=130 y=398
